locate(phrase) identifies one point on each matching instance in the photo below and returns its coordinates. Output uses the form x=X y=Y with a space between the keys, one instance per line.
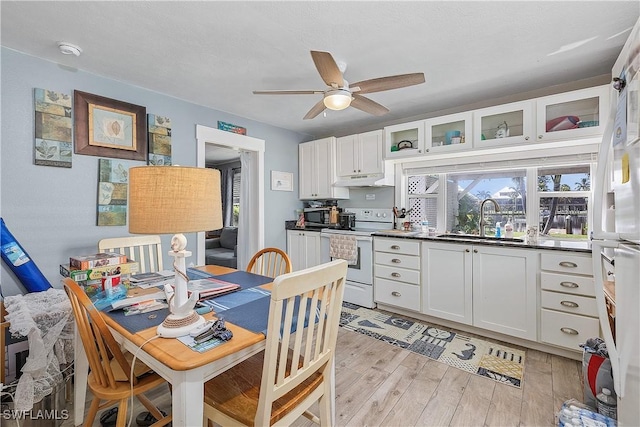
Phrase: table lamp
x=175 y=199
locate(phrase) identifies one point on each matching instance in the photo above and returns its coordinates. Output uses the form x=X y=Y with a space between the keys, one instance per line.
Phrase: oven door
x=362 y=270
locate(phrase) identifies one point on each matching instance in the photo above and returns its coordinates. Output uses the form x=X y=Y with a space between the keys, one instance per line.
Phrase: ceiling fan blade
x=287 y=92
x=390 y=82
x=328 y=69
x=317 y=109
x=368 y=106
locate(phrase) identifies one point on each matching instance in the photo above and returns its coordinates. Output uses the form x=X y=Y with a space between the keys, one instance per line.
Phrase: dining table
x=184 y=368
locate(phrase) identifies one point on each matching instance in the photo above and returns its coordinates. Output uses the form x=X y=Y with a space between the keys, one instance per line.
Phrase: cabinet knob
x=568 y=284
x=467 y=250
x=569 y=304
x=396 y=261
x=475 y=251
x=420 y=151
x=539 y=136
x=569 y=331
x=567 y=264
x=526 y=138
x=395 y=247
x=358 y=170
x=395 y=274
x=396 y=294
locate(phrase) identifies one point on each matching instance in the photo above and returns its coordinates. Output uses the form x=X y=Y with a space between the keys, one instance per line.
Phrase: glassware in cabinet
x=575 y=114
x=448 y=133
x=404 y=140
x=506 y=124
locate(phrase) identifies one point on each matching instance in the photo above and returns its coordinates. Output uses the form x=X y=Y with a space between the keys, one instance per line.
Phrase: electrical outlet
x=370 y=197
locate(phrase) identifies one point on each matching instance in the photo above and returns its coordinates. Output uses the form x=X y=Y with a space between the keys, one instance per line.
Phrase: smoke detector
x=69 y=49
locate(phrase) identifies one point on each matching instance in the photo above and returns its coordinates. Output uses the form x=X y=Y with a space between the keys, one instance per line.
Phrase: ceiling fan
x=340 y=94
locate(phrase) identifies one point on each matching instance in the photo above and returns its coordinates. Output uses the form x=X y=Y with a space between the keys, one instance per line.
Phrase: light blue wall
x=52 y=211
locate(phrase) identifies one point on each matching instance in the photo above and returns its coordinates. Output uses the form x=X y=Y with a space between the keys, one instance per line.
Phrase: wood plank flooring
x=378 y=384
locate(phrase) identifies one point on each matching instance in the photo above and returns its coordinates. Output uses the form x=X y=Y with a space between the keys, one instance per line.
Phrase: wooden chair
x=270 y=262
x=279 y=384
x=109 y=379
x=147 y=250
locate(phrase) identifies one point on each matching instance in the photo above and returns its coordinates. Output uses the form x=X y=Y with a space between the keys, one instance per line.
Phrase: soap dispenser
x=498 y=231
x=508 y=229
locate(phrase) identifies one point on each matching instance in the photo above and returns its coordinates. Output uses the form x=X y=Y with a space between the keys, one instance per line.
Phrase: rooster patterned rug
x=495 y=361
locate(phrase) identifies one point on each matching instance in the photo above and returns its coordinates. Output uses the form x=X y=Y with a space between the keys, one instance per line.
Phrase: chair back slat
x=98 y=342
x=313 y=297
x=145 y=249
x=270 y=262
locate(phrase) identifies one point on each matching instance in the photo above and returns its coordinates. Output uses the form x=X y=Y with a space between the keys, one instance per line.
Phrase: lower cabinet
x=397 y=272
x=303 y=247
x=493 y=288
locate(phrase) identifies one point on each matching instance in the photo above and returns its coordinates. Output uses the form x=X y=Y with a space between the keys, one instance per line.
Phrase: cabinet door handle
x=395 y=274
x=539 y=136
x=396 y=294
x=569 y=284
x=395 y=247
x=475 y=251
x=570 y=304
x=526 y=138
x=467 y=250
x=567 y=264
x=396 y=261
x=569 y=331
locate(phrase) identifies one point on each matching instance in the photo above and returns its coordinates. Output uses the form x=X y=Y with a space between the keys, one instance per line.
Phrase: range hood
x=370 y=180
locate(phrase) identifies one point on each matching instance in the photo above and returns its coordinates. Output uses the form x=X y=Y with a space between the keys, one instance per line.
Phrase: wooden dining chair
x=110 y=377
x=281 y=383
x=147 y=250
x=270 y=262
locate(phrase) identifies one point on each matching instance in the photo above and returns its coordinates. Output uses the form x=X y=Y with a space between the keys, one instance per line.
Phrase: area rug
x=495 y=361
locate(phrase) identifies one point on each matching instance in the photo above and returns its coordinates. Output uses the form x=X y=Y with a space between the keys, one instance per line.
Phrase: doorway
x=251 y=236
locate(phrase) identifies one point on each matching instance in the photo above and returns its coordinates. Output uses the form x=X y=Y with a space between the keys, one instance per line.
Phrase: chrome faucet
x=483 y=223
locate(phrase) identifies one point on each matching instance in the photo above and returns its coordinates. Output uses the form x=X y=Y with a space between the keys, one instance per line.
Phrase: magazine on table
x=157 y=278
x=145 y=307
x=211 y=287
x=137 y=295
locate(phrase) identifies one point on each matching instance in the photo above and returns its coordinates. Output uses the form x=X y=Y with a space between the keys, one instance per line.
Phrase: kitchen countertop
x=559 y=245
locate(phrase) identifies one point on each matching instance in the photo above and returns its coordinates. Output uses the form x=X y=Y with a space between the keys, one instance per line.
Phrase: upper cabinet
x=506 y=124
x=317 y=170
x=578 y=114
x=448 y=133
x=404 y=140
x=360 y=154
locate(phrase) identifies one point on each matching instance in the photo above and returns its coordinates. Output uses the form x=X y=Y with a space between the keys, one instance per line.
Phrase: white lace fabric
x=46 y=319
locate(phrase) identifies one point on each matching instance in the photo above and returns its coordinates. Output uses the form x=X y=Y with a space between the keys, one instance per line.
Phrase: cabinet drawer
x=569 y=303
x=567 y=283
x=398 y=246
x=398 y=274
x=398 y=294
x=397 y=260
x=566 y=263
x=567 y=330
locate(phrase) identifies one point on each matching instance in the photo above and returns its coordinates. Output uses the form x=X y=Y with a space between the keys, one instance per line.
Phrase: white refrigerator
x=617 y=182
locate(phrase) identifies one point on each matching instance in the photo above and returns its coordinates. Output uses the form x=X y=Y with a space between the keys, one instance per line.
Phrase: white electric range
x=359 y=287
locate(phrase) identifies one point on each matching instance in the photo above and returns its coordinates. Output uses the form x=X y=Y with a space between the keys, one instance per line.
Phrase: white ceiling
x=215 y=53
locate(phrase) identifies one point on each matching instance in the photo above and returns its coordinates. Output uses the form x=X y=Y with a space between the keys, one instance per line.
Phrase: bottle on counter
x=508 y=229
x=424 y=226
x=498 y=231
x=607 y=403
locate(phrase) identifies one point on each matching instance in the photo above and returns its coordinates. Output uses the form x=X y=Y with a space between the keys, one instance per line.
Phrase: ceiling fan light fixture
x=337 y=99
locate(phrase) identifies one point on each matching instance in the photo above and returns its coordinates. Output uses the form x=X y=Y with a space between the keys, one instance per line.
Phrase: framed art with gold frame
x=109 y=128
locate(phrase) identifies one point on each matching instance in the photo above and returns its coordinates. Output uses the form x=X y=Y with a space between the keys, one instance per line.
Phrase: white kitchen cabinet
x=448 y=133
x=404 y=140
x=303 y=247
x=360 y=154
x=586 y=107
x=489 y=287
x=447 y=281
x=569 y=314
x=397 y=272
x=317 y=170
x=505 y=290
x=506 y=124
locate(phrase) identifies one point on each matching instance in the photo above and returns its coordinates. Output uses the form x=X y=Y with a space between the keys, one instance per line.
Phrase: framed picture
x=281 y=181
x=232 y=128
x=108 y=128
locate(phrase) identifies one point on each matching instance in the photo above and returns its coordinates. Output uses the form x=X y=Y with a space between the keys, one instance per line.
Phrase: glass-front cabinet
x=577 y=114
x=448 y=133
x=404 y=140
x=507 y=124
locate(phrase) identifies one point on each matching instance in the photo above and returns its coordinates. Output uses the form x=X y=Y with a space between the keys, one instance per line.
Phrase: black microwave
x=317 y=216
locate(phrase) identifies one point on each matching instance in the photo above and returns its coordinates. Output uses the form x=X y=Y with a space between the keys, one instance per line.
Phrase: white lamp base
x=178 y=331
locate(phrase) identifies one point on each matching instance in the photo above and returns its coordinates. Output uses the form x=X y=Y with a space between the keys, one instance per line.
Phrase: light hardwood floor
x=378 y=384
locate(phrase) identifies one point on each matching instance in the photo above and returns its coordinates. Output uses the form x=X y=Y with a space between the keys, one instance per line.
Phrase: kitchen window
x=553 y=194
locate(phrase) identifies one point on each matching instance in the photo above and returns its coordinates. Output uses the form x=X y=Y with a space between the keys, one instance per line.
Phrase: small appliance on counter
x=318 y=215
x=347 y=220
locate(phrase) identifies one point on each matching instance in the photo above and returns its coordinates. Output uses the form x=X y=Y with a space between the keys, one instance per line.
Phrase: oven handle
x=358 y=238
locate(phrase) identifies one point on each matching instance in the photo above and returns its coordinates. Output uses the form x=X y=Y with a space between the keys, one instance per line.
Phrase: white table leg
x=187 y=398
x=81 y=373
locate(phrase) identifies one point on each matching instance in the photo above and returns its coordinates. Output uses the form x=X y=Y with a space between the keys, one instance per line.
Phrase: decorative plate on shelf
x=405 y=144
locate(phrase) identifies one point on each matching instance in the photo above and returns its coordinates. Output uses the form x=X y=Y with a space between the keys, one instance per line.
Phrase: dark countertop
x=291 y=225
x=559 y=245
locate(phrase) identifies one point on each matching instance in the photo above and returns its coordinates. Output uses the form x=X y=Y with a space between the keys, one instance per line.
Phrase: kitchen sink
x=481 y=238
